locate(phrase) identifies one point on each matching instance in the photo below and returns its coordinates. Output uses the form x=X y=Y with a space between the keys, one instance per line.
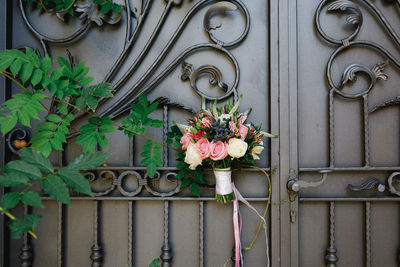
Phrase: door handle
x=294 y=184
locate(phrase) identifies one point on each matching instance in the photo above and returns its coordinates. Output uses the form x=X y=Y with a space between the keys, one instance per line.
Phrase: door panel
x=129 y=223
x=343 y=221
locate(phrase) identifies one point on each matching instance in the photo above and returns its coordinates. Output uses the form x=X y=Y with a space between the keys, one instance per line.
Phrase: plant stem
x=145 y=137
x=64 y=102
x=12 y=217
x=7 y=74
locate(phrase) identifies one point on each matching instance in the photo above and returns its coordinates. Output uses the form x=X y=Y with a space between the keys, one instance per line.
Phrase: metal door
x=340 y=135
x=133 y=219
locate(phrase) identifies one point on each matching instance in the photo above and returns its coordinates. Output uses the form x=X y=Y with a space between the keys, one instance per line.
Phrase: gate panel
x=132 y=218
x=348 y=132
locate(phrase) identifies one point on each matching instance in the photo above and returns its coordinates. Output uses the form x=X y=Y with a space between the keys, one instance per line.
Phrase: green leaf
x=57 y=74
x=182 y=165
x=16 y=66
x=195 y=188
x=18 y=227
x=62 y=109
x=36 y=77
x=186 y=182
x=14 y=179
x=85 y=81
x=23 y=118
x=181 y=174
x=45 y=81
x=10 y=200
x=78 y=68
x=31 y=198
x=6 y=62
x=26 y=72
x=35 y=158
x=53 y=118
x=56 y=188
x=106 y=7
x=106 y=128
x=8 y=123
x=76 y=180
x=63 y=62
x=46 y=64
x=143 y=101
x=23 y=167
x=88 y=161
x=33 y=57
x=92 y=102
x=155 y=263
x=151 y=157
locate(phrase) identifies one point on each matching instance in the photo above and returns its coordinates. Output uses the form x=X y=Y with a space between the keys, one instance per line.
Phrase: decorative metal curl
x=18 y=133
x=191 y=74
x=355 y=18
x=117 y=182
x=391 y=180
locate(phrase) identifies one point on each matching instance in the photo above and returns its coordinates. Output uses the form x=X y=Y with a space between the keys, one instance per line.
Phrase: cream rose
x=257 y=150
x=192 y=156
x=237 y=148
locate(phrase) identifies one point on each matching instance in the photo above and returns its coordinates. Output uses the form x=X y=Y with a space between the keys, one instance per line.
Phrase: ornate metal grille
x=370 y=191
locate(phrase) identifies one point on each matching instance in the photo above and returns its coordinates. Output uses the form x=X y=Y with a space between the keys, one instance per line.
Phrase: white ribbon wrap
x=223 y=181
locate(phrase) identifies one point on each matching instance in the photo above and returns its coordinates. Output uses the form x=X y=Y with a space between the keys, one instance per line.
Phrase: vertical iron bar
x=26 y=255
x=60 y=234
x=331 y=257
x=96 y=255
x=201 y=234
x=366 y=130
x=166 y=255
x=130 y=234
x=331 y=130
x=165 y=130
x=368 y=234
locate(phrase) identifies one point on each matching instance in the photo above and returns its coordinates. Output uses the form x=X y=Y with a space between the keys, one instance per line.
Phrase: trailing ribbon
x=237 y=227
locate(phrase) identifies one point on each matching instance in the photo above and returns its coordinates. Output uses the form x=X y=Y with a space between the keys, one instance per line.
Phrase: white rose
x=237 y=148
x=192 y=156
x=257 y=150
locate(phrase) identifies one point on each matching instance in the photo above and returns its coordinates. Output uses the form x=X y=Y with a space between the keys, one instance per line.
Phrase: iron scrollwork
x=355 y=20
x=115 y=181
x=123 y=98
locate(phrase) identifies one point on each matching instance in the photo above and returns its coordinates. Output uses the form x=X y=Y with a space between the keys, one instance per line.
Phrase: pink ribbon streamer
x=238 y=227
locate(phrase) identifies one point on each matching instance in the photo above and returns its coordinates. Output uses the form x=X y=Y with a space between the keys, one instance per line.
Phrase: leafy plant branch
x=70 y=91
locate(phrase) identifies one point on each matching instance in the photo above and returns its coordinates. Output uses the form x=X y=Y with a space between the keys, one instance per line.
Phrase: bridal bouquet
x=220 y=138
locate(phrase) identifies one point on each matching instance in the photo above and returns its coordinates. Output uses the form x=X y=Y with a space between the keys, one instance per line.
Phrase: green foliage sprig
x=71 y=90
x=190 y=178
x=67 y=6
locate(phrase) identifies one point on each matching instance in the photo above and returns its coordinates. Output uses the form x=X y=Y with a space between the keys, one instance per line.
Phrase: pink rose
x=186 y=139
x=243 y=130
x=205 y=122
x=218 y=150
x=199 y=135
x=203 y=147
